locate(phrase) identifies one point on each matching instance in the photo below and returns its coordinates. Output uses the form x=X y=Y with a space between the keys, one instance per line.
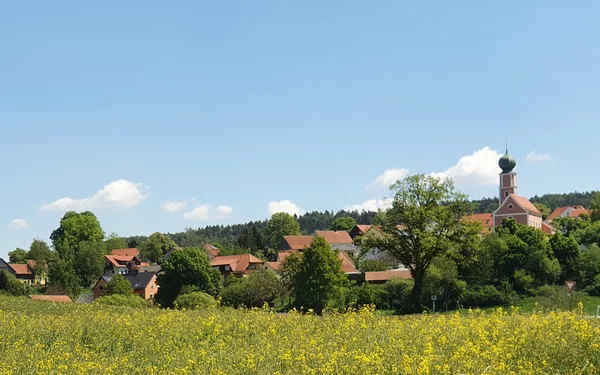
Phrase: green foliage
x=18 y=255
x=39 y=250
x=118 y=285
x=483 y=296
x=399 y=293
x=10 y=285
x=485 y=205
x=76 y=228
x=566 y=251
x=63 y=279
x=571 y=225
x=261 y=287
x=588 y=266
x=315 y=275
x=189 y=266
x=524 y=282
x=589 y=234
x=251 y=238
x=89 y=262
x=369 y=294
x=343 y=223
x=594 y=287
x=595 y=207
x=130 y=300
x=156 y=247
x=554 y=201
x=431 y=210
x=195 y=300
x=443 y=281
x=370 y=265
x=543 y=209
x=281 y=224
x=114 y=242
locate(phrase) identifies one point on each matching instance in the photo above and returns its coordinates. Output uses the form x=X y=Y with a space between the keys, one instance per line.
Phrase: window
x=151 y=286
x=151 y=295
x=227 y=268
x=510 y=206
x=506 y=193
x=101 y=288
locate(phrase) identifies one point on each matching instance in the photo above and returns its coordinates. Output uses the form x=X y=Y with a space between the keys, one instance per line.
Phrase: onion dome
x=507 y=162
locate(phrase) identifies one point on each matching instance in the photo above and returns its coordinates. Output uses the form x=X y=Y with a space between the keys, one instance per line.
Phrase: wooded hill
x=317 y=220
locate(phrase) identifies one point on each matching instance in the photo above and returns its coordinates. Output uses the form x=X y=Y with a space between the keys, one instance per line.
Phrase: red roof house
x=238 y=265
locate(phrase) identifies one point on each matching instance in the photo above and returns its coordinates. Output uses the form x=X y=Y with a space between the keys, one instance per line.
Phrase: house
x=23 y=272
x=347 y=264
x=123 y=261
x=381 y=277
x=359 y=230
x=340 y=240
x=238 y=265
x=486 y=220
x=568 y=211
x=39 y=270
x=50 y=298
x=211 y=250
x=295 y=242
x=143 y=284
x=4 y=266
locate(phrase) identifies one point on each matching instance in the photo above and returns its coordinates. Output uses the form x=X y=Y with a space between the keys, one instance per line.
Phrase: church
x=511 y=204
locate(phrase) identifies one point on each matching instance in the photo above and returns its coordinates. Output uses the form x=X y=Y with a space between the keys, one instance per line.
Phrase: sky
x=160 y=116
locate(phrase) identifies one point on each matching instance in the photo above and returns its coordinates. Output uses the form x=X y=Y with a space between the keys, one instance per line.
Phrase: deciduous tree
x=281 y=224
x=75 y=228
x=343 y=223
x=118 y=285
x=156 y=247
x=18 y=255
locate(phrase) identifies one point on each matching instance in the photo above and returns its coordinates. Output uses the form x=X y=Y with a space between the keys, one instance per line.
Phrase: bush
x=524 y=282
x=369 y=265
x=131 y=300
x=370 y=294
x=261 y=287
x=118 y=285
x=10 y=285
x=483 y=296
x=594 y=288
x=195 y=300
x=398 y=291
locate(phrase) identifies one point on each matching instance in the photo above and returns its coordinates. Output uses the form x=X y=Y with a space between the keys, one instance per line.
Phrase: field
x=45 y=338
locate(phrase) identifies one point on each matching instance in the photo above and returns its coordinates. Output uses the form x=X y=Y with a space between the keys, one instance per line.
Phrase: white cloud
x=389 y=177
x=224 y=211
x=206 y=212
x=198 y=213
x=173 y=206
x=370 y=205
x=284 y=206
x=18 y=224
x=535 y=157
x=479 y=168
x=117 y=194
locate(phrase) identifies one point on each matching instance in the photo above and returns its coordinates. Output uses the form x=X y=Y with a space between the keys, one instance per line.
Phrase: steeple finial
x=507 y=145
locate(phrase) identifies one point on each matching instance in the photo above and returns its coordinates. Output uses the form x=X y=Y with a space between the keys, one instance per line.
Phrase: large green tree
x=315 y=275
x=118 y=285
x=75 y=228
x=189 y=267
x=89 y=262
x=18 y=255
x=281 y=224
x=39 y=250
x=343 y=223
x=63 y=279
x=261 y=287
x=114 y=242
x=156 y=247
x=566 y=251
x=430 y=212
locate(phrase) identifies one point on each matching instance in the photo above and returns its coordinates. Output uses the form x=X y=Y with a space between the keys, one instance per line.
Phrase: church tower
x=508 y=178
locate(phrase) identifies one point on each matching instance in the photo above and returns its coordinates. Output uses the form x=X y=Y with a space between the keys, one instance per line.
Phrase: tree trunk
x=416 y=296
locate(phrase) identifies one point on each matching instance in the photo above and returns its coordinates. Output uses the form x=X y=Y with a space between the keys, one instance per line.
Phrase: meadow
x=47 y=338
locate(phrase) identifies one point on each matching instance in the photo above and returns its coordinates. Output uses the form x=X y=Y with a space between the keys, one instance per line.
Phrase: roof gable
x=335 y=237
x=522 y=202
x=20 y=269
x=130 y=252
x=237 y=263
x=297 y=242
x=140 y=280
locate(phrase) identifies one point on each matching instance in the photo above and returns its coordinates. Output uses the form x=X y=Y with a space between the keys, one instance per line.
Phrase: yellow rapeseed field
x=45 y=338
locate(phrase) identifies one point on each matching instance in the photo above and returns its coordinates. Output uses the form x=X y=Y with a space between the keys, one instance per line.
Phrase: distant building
x=381 y=277
x=359 y=230
x=568 y=211
x=143 y=284
x=238 y=265
x=347 y=265
x=123 y=261
x=4 y=266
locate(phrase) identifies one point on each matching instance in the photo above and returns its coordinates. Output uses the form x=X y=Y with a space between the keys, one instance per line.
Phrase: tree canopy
x=118 y=285
x=343 y=223
x=76 y=228
x=281 y=224
x=156 y=247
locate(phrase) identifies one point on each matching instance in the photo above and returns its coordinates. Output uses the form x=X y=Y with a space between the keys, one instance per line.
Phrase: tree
x=63 y=279
x=543 y=209
x=595 y=207
x=315 y=275
x=263 y=287
x=118 y=285
x=156 y=247
x=39 y=250
x=430 y=211
x=114 y=242
x=566 y=250
x=10 y=285
x=370 y=265
x=187 y=267
x=75 y=228
x=251 y=238
x=281 y=224
x=18 y=255
x=343 y=223
x=89 y=262
x=195 y=300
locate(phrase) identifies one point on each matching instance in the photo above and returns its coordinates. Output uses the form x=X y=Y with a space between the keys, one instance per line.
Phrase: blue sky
x=161 y=116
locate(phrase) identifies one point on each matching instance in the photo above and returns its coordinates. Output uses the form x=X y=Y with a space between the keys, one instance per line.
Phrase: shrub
x=483 y=296
x=369 y=265
x=118 y=285
x=10 y=285
x=398 y=291
x=195 y=300
x=524 y=282
x=370 y=294
x=594 y=288
x=131 y=300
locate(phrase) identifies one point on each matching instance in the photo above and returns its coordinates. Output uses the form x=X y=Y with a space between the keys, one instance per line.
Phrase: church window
x=510 y=206
x=506 y=193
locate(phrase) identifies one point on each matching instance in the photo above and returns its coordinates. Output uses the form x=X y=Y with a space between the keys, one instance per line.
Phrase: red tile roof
x=298 y=242
x=486 y=221
x=363 y=228
x=526 y=204
x=131 y=252
x=333 y=237
x=275 y=266
x=546 y=228
x=237 y=263
x=51 y=298
x=118 y=261
x=575 y=211
x=211 y=250
x=347 y=263
x=387 y=275
x=33 y=263
x=20 y=269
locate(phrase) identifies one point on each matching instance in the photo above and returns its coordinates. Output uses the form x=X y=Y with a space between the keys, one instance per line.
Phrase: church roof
x=526 y=204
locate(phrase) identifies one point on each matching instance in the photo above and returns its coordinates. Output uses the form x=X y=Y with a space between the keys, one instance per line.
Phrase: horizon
x=160 y=117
